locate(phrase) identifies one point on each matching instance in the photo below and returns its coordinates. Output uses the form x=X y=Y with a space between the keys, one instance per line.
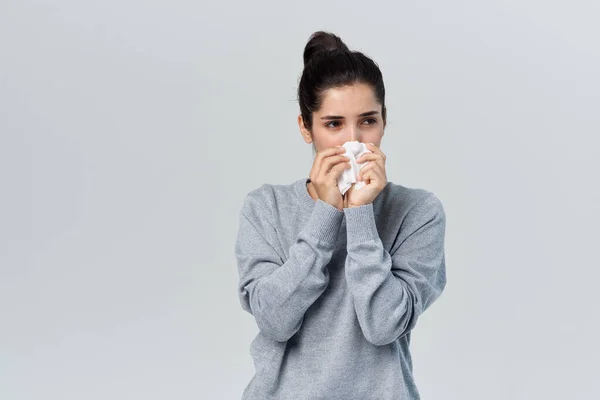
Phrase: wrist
x=354 y=205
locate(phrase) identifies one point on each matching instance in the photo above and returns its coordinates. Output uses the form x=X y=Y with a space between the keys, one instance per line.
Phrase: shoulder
x=413 y=202
x=414 y=210
x=263 y=201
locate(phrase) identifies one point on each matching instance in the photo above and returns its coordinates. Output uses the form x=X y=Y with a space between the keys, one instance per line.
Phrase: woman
x=336 y=283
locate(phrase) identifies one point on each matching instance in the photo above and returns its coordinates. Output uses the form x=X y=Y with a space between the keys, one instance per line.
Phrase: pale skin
x=348 y=113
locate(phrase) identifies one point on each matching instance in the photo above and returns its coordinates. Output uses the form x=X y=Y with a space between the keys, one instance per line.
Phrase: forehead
x=358 y=97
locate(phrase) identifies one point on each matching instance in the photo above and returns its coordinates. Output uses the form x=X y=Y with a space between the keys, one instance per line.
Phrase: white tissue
x=353 y=150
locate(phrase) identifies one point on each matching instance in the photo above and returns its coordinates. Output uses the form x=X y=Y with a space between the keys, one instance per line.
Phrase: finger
x=377 y=161
x=363 y=170
x=339 y=169
x=317 y=162
x=324 y=154
x=374 y=158
x=331 y=151
x=330 y=162
x=370 y=157
x=375 y=149
x=368 y=167
x=374 y=176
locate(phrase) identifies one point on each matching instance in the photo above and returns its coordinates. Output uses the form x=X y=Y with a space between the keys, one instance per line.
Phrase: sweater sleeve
x=390 y=291
x=278 y=293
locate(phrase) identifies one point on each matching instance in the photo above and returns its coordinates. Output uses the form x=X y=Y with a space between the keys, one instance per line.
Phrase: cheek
x=374 y=136
x=324 y=138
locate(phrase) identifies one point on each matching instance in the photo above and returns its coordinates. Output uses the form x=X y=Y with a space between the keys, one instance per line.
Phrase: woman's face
x=348 y=113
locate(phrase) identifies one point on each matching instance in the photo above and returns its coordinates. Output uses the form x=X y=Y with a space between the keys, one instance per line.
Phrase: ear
x=305 y=132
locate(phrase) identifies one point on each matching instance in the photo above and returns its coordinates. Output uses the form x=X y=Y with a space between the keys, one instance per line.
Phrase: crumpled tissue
x=353 y=150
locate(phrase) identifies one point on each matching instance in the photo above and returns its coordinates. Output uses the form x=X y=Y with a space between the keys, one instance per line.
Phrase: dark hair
x=328 y=63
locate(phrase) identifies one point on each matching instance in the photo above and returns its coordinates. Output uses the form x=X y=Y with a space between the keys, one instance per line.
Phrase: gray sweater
x=335 y=294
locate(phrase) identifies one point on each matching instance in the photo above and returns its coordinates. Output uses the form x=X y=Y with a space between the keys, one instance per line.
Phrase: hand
x=374 y=176
x=327 y=166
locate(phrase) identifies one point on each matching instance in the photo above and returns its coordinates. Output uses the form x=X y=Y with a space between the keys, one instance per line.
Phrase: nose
x=353 y=133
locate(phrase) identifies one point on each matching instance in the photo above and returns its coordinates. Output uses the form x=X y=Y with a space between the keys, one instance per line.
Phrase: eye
x=328 y=125
x=371 y=121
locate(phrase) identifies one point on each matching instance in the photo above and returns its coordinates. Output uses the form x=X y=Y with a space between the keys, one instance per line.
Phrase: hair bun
x=322 y=41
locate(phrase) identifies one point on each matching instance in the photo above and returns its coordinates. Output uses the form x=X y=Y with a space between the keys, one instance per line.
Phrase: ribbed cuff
x=360 y=223
x=324 y=222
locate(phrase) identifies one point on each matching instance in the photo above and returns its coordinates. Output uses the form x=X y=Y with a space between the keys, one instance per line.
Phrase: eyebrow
x=365 y=114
